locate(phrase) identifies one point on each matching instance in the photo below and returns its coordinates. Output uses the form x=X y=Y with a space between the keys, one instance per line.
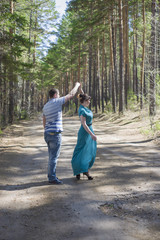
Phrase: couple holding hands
x=85 y=150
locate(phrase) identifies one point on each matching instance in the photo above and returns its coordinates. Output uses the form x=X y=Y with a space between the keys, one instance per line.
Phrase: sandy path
x=121 y=203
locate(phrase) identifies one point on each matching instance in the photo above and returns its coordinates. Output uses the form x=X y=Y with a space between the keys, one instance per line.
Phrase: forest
x=111 y=46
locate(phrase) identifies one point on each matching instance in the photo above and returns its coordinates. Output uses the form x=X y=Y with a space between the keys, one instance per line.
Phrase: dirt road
x=121 y=203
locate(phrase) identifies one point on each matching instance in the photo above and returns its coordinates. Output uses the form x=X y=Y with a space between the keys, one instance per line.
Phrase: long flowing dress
x=85 y=151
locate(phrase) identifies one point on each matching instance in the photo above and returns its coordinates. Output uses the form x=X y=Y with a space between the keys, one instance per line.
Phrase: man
x=52 y=122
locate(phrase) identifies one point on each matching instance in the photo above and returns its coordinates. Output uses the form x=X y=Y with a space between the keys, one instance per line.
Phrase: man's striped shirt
x=52 y=111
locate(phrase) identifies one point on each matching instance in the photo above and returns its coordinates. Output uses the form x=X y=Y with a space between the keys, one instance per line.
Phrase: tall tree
x=11 y=75
x=143 y=57
x=152 y=101
x=103 y=68
x=121 y=59
x=112 y=40
x=125 y=49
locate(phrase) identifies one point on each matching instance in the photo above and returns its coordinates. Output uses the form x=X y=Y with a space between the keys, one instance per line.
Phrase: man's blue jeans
x=54 y=144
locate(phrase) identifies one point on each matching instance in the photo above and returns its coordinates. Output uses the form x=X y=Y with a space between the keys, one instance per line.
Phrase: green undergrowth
x=152 y=129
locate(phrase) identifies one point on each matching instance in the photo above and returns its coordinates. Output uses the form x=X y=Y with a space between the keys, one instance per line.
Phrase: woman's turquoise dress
x=85 y=151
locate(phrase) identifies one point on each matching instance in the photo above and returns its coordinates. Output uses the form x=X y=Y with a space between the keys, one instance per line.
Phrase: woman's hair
x=83 y=97
x=52 y=92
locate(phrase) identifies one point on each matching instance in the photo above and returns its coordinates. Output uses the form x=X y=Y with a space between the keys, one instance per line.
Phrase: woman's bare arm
x=81 y=90
x=83 y=121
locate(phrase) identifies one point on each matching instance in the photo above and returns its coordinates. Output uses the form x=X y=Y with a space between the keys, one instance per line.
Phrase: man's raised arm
x=72 y=92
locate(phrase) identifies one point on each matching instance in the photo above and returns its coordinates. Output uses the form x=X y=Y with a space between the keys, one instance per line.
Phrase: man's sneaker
x=56 y=181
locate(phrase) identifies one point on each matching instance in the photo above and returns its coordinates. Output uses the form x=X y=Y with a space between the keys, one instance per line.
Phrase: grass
x=147 y=132
x=151 y=130
x=0 y=131
x=157 y=125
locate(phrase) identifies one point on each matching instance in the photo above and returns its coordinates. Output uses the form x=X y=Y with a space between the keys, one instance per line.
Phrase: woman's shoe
x=78 y=176
x=87 y=174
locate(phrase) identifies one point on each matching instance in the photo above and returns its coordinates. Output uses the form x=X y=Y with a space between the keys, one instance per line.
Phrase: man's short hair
x=52 y=92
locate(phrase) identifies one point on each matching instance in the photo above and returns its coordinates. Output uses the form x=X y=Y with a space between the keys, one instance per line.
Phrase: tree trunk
x=11 y=98
x=5 y=98
x=121 y=70
x=27 y=86
x=1 y=91
x=35 y=40
x=135 y=77
x=79 y=62
x=98 y=75
x=112 y=64
x=103 y=62
x=106 y=81
x=136 y=47
x=115 y=57
x=143 y=58
x=66 y=91
x=32 y=108
x=85 y=74
x=125 y=49
x=94 y=94
x=158 y=50
x=90 y=66
x=11 y=78
x=152 y=101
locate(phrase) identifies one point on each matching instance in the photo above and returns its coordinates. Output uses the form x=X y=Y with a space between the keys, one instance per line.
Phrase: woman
x=85 y=151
